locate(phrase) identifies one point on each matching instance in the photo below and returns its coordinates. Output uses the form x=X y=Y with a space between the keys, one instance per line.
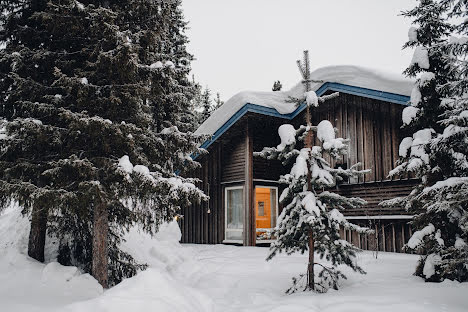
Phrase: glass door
x=234 y=205
x=266 y=211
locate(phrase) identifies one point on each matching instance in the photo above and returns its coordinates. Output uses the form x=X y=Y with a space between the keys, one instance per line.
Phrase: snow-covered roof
x=375 y=83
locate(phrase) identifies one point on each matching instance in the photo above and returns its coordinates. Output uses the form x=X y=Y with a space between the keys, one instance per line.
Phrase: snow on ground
x=28 y=285
x=238 y=279
x=210 y=278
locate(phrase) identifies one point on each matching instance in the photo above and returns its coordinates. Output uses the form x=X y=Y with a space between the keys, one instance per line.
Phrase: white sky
x=248 y=44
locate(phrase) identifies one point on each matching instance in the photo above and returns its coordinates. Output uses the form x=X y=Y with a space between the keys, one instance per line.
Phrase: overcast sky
x=248 y=44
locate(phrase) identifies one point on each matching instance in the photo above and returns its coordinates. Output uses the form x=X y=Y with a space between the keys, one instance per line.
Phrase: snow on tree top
x=344 y=74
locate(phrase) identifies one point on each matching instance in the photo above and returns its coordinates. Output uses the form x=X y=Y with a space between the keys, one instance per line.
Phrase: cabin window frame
x=276 y=188
x=226 y=190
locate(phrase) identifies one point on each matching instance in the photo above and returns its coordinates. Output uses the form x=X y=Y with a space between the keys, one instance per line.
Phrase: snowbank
x=28 y=285
x=345 y=74
x=164 y=286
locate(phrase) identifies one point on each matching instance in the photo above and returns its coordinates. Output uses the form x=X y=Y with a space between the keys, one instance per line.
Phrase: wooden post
x=376 y=242
x=250 y=236
x=403 y=234
x=383 y=237
x=310 y=266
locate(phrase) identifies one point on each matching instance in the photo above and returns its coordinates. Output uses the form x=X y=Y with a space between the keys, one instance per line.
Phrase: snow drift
x=28 y=285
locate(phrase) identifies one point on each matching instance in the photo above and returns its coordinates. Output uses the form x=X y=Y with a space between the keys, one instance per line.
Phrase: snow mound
x=125 y=164
x=413 y=34
x=164 y=286
x=28 y=285
x=326 y=134
x=287 y=133
x=418 y=236
x=415 y=96
x=421 y=58
x=429 y=266
x=405 y=145
x=325 y=131
x=311 y=98
x=279 y=100
x=408 y=114
x=150 y=290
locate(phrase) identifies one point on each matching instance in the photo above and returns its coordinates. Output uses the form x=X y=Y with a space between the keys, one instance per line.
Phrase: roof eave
x=327 y=86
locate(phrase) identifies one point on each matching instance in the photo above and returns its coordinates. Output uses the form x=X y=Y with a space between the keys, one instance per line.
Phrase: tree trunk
x=100 y=253
x=308 y=144
x=37 y=234
x=310 y=267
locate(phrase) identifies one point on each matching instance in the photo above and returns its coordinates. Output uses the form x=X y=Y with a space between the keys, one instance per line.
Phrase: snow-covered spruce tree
x=277 y=86
x=206 y=105
x=436 y=152
x=78 y=99
x=218 y=101
x=311 y=217
x=171 y=92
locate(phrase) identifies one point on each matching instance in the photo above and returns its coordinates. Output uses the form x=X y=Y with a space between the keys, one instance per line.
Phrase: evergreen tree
x=277 y=86
x=312 y=216
x=218 y=102
x=206 y=105
x=436 y=150
x=86 y=88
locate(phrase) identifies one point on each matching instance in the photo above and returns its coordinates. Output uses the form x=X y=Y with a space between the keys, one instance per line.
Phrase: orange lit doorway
x=266 y=211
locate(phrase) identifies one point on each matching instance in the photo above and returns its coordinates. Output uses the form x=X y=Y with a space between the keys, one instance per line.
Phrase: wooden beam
x=383 y=238
x=249 y=236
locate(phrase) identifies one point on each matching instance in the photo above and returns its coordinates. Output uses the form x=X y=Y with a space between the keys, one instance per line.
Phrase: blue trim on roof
x=328 y=86
x=252 y=108
x=364 y=92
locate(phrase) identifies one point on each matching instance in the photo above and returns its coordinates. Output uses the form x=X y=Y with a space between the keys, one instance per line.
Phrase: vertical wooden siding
x=372 y=127
x=203 y=223
x=265 y=134
x=389 y=235
x=233 y=159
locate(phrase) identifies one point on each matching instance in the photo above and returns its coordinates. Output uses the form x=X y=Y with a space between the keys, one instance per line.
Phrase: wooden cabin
x=243 y=189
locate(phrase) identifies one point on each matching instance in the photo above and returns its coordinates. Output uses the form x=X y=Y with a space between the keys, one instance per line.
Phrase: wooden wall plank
x=377 y=122
x=249 y=214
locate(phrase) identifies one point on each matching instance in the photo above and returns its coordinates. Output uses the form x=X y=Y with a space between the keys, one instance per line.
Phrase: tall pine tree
x=88 y=89
x=435 y=152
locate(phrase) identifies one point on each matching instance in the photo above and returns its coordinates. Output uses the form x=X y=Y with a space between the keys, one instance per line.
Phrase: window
x=234 y=203
x=266 y=211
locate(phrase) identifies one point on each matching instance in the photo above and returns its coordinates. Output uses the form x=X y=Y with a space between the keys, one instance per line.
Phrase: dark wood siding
x=265 y=134
x=203 y=223
x=233 y=159
x=374 y=193
x=389 y=235
x=373 y=128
